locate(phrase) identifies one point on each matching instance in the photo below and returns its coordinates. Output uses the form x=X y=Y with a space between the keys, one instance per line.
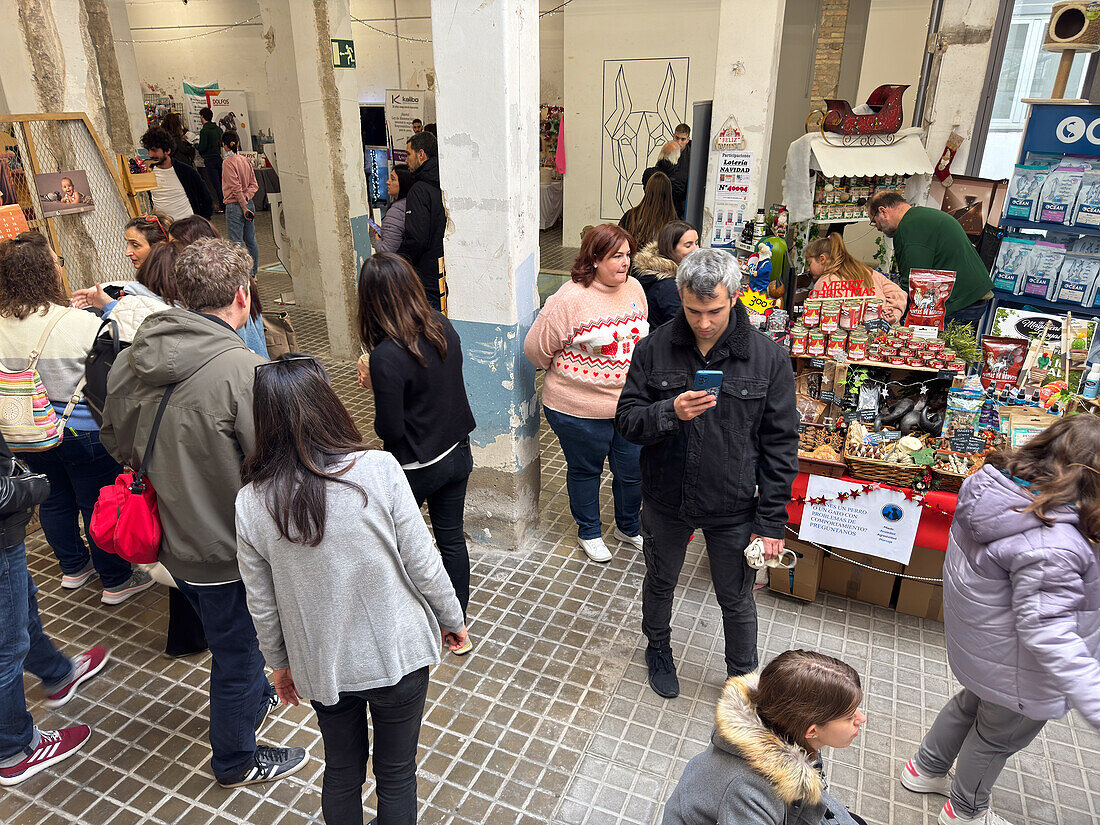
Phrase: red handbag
x=125 y=520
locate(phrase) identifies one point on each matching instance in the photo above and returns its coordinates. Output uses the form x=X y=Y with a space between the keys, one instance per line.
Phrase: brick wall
x=828 y=51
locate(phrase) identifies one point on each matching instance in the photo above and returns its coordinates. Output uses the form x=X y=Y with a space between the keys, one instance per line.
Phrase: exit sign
x=343 y=54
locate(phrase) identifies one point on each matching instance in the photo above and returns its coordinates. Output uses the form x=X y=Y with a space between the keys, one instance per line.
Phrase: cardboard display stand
x=801 y=582
x=847 y=579
x=922 y=599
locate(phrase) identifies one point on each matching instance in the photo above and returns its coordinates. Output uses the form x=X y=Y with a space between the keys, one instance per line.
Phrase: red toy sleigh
x=881 y=123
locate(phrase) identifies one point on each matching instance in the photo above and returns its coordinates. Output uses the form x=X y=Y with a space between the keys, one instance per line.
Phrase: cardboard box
x=922 y=599
x=845 y=579
x=807 y=572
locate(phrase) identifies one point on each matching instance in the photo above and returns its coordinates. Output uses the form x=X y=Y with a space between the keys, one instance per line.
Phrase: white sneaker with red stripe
x=87 y=665
x=53 y=746
x=917 y=782
x=987 y=817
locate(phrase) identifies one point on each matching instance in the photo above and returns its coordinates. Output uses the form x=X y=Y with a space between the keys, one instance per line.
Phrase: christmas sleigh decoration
x=875 y=122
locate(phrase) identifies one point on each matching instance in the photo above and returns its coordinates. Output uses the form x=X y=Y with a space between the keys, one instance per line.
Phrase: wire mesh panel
x=91 y=242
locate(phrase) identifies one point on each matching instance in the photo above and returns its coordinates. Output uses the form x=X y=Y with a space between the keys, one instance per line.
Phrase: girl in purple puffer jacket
x=1021 y=598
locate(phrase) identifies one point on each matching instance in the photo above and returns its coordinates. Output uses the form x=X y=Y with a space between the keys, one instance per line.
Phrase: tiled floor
x=548 y=720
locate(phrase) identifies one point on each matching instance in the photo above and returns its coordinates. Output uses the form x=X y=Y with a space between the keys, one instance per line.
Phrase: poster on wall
x=644 y=100
x=731 y=197
x=403 y=106
x=880 y=523
x=63 y=193
x=231 y=112
x=194 y=96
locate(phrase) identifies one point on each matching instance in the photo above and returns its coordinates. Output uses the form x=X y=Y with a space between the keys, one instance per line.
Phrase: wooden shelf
x=872 y=364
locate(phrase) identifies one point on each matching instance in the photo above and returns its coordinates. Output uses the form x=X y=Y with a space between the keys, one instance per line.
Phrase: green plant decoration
x=962 y=339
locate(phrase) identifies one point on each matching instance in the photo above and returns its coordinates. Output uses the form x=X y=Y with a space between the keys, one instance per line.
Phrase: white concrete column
x=315 y=110
x=745 y=80
x=487 y=73
x=69 y=56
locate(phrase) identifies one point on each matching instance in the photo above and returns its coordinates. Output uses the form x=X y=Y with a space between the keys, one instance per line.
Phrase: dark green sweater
x=930 y=239
x=210 y=140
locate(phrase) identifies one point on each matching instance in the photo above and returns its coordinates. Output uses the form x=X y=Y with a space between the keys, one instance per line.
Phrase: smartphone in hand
x=709 y=380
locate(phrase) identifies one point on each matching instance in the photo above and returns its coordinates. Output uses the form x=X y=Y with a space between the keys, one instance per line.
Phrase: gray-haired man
x=724 y=465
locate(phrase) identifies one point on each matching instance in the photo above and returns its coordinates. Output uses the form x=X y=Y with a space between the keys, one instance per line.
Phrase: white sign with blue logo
x=880 y=523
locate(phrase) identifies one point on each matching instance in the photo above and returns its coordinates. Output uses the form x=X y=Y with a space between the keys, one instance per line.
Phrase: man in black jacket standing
x=722 y=464
x=24 y=749
x=181 y=192
x=425 y=219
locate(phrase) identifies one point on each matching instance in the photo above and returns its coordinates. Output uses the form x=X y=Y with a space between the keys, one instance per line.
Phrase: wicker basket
x=884 y=472
x=951 y=482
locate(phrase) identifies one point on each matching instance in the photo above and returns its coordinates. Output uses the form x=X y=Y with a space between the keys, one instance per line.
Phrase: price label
x=817 y=363
x=867 y=416
x=962 y=439
x=877 y=325
x=758 y=302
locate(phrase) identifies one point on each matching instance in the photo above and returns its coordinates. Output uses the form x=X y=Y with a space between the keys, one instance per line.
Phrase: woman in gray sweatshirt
x=349 y=597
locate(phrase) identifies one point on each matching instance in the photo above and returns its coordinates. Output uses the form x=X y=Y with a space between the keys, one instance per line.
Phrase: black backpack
x=97 y=366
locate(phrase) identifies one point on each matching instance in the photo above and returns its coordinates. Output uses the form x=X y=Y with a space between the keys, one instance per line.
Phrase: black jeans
x=396 y=713
x=212 y=170
x=443 y=486
x=665 y=537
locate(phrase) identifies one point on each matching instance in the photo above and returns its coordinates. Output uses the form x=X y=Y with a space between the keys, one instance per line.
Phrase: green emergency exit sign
x=343 y=54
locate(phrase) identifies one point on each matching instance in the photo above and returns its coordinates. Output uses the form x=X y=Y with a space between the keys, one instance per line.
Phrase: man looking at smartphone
x=723 y=464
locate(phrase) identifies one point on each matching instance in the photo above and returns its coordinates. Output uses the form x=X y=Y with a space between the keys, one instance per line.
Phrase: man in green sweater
x=210 y=149
x=926 y=238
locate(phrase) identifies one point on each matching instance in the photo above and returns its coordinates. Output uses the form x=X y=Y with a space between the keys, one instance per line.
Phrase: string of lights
x=196 y=36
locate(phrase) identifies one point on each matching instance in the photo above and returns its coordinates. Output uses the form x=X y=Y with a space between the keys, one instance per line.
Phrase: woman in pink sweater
x=238 y=187
x=584 y=338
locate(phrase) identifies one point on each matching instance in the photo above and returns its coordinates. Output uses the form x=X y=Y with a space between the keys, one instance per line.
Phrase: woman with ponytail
x=238 y=187
x=1021 y=613
x=839 y=275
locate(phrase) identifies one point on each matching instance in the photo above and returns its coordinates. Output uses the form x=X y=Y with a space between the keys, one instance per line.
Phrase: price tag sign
x=877 y=325
x=756 y=301
x=962 y=439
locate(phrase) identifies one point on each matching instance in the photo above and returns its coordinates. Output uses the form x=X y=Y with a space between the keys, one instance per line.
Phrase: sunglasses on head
x=156 y=220
x=287 y=360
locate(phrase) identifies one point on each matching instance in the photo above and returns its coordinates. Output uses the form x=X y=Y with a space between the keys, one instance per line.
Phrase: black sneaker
x=269 y=764
x=662 y=672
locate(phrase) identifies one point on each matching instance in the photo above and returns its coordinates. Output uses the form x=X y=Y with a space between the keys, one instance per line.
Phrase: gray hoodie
x=1021 y=603
x=206 y=432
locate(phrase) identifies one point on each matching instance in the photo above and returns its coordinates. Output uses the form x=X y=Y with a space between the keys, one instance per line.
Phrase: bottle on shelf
x=1090 y=387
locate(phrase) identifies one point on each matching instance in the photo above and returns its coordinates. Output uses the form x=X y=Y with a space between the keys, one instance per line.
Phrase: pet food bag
x=1024 y=191
x=1086 y=212
x=1077 y=279
x=1086 y=245
x=1012 y=262
x=1043 y=265
x=1002 y=359
x=929 y=290
x=1059 y=194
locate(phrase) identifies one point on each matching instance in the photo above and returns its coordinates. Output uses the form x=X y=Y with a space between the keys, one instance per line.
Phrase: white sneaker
x=917 y=782
x=634 y=541
x=595 y=549
x=948 y=817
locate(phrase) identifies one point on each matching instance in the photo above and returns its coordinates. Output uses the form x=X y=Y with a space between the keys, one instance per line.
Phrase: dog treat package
x=929 y=290
x=1059 y=193
x=1043 y=267
x=810 y=410
x=1012 y=261
x=1024 y=191
x=1086 y=245
x=1077 y=279
x=1002 y=359
x=1086 y=212
x=964 y=409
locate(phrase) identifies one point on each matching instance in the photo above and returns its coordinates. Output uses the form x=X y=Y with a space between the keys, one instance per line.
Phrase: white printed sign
x=880 y=523
x=231 y=112
x=734 y=171
x=402 y=107
x=195 y=96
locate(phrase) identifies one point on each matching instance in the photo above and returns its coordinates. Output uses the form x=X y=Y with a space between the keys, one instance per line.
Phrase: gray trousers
x=978 y=737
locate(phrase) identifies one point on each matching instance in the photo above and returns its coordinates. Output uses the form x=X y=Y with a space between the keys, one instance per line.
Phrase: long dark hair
x=1062 y=464
x=669 y=237
x=657 y=208
x=405 y=179
x=29 y=277
x=158 y=272
x=392 y=304
x=800 y=688
x=302 y=429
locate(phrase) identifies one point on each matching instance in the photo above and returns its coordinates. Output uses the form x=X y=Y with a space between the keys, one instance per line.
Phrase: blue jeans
x=77 y=469
x=586 y=442
x=23 y=646
x=395 y=714
x=239 y=690
x=238 y=230
x=969 y=315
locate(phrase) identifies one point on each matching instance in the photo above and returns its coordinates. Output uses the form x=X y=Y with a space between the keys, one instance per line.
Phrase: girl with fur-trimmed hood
x=655 y=268
x=763 y=763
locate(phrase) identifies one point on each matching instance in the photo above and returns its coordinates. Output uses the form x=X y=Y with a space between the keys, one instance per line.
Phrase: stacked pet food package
x=1063 y=266
x=836 y=328
x=842 y=199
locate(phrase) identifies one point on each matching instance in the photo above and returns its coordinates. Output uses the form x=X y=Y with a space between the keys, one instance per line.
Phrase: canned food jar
x=815 y=343
x=906 y=352
x=958 y=365
x=928 y=357
x=798 y=339
x=914 y=361
x=873 y=352
x=935 y=344
x=903 y=333
x=854 y=308
x=872 y=310
x=887 y=352
x=857 y=346
x=895 y=360
x=948 y=353
x=838 y=344
x=811 y=312
x=830 y=316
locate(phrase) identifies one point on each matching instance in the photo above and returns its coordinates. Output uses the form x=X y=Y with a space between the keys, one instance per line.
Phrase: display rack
x=1058 y=129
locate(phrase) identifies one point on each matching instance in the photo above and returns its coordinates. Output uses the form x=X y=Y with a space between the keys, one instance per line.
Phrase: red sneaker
x=53 y=746
x=87 y=665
